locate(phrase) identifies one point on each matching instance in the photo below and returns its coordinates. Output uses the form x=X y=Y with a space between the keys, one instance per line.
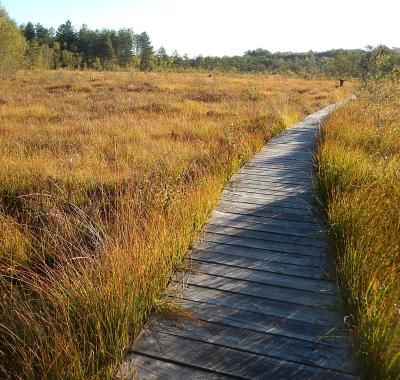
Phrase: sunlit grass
x=106 y=179
x=359 y=183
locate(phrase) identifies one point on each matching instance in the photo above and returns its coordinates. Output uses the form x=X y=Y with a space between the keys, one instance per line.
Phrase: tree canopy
x=12 y=43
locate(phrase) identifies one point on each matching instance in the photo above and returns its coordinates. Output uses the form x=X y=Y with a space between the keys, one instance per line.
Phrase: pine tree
x=29 y=31
x=67 y=37
x=108 y=53
x=43 y=35
x=146 y=52
x=162 y=57
x=124 y=44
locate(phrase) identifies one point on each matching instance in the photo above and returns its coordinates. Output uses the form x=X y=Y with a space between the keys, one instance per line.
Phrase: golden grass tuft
x=359 y=183
x=26 y=113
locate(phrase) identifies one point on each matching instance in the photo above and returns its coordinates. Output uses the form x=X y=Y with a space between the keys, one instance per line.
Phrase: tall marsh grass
x=105 y=181
x=359 y=184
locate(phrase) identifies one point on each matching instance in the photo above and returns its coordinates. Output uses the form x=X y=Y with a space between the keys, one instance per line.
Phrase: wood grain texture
x=260 y=292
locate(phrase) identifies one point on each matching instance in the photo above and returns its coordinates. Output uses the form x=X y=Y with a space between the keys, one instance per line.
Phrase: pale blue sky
x=218 y=27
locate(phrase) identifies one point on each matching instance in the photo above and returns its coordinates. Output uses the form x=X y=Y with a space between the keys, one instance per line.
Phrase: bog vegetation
x=105 y=180
x=359 y=182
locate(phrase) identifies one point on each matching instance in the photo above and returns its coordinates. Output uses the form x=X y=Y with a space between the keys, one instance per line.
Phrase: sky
x=228 y=27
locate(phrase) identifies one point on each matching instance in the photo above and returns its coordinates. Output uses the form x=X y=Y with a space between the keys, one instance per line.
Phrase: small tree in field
x=134 y=63
x=162 y=57
x=96 y=65
x=381 y=76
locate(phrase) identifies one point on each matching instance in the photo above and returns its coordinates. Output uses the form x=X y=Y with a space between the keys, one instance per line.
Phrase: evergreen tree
x=124 y=41
x=87 y=42
x=146 y=52
x=108 y=53
x=43 y=35
x=162 y=57
x=29 y=31
x=67 y=37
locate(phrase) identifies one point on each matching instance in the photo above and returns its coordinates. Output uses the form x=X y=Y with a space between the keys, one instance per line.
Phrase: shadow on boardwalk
x=261 y=292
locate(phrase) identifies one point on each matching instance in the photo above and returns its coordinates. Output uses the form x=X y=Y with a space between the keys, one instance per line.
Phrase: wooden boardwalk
x=260 y=291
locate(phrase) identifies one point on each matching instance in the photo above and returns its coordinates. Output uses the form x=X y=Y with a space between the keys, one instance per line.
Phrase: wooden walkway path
x=260 y=290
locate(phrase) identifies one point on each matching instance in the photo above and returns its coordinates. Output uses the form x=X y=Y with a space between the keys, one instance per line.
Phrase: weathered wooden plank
x=275 y=187
x=273 y=225
x=273 y=177
x=264 y=173
x=286 y=186
x=259 y=264
x=264 y=254
x=322 y=300
x=269 y=345
x=286 y=163
x=275 y=170
x=300 y=138
x=247 y=302
x=244 y=239
x=266 y=277
x=259 y=231
x=291 y=200
x=303 y=153
x=303 y=161
x=293 y=142
x=224 y=361
x=287 y=156
x=248 y=210
x=249 y=182
x=278 y=153
x=269 y=207
x=149 y=368
x=300 y=228
x=270 y=203
x=267 y=211
x=301 y=148
x=266 y=159
x=264 y=169
x=257 y=321
x=273 y=199
x=281 y=167
x=269 y=173
x=301 y=195
x=292 y=139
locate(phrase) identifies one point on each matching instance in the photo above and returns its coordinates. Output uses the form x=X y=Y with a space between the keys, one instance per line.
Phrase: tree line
x=35 y=46
x=69 y=48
